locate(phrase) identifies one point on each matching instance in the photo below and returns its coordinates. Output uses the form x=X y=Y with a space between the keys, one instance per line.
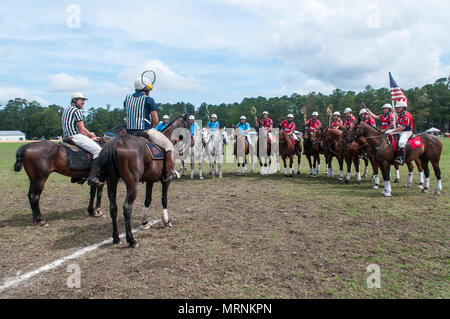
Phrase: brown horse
x=128 y=157
x=330 y=140
x=380 y=145
x=287 y=150
x=240 y=150
x=311 y=149
x=40 y=159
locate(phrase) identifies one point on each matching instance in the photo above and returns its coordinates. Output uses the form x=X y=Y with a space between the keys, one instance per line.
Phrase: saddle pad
x=413 y=143
x=78 y=159
x=156 y=151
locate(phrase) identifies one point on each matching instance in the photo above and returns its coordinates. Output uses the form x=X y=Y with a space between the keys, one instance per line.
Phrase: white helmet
x=191 y=117
x=387 y=106
x=290 y=116
x=401 y=104
x=243 y=117
x=265 y=112
x=347 y=110
x=315 y=113
x=363 y=111
x=78 y=95
x=143 y=83
x=337 y=113
x=214 y=116
x=165 y=117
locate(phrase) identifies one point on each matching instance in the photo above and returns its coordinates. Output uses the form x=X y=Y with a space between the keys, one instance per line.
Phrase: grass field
x=235 y=237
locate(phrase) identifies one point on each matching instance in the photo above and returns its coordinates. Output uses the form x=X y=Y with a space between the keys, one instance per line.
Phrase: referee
x=141 y=112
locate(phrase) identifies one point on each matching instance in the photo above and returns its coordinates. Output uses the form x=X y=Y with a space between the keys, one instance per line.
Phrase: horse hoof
x=116 y=241
x=375 y=186
x=396 y=181
x=407 y=185
x=341 y=178
x=291 y=176
x=425 y=190
x=201 y=177
x=420 y=186
x=285 y=175
x=192 y=177
x=358 y=182
x=168 y=225
x=220 y=176
x=386 y=194
x=133 y=245
x=347 y=181
x=438 y=193
x=145 y=226
x=43 y=223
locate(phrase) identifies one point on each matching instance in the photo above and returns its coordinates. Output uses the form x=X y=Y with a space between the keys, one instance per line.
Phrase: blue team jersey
x=213 y=126
x=194 y=128
x=161 y=126
x=243 y=127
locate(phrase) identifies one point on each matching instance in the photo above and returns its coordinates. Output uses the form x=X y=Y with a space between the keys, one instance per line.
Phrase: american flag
x=396 y=92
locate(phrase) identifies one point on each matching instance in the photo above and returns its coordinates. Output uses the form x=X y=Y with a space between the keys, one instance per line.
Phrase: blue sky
x=217 y=51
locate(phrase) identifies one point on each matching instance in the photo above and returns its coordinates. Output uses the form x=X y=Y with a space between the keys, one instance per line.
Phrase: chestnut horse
x=287 y=149
x=330 y=141
x=241 y=150
x=40 y=159
x=430 y=151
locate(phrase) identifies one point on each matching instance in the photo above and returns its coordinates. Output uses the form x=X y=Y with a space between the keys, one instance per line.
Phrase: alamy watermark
x=374 y=279
x=73 y=20
x=74 y=279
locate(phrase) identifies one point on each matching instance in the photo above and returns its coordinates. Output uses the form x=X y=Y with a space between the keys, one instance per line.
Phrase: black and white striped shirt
x=137 y=108
x=70 y=117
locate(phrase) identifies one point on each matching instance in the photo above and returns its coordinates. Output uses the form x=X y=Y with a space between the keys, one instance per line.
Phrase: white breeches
x=87 y=144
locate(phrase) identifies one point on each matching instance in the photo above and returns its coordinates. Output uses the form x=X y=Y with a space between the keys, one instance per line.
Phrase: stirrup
x=94 y=181
x=399 y=161
x=175 y=175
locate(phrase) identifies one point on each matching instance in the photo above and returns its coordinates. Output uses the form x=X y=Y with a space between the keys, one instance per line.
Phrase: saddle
x=413 y=143
x=78 y=159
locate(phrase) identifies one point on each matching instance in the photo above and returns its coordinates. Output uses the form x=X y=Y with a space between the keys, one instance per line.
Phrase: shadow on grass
x=24 y=220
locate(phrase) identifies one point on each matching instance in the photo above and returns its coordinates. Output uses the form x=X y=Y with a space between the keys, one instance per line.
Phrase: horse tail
x=19 y=157
x=107 y=157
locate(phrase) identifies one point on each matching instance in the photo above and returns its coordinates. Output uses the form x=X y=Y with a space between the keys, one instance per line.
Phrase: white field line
x=14 y=281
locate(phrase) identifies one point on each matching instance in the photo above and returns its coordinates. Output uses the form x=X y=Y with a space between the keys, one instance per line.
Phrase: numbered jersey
x=405 y=119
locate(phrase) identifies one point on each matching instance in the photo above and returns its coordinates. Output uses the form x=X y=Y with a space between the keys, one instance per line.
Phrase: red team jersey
x=313 y=125
x=267 y=123
x=348 y=122
x=288 y=127
x=405 y=119
x=371 y=121
x=335 y=124
x=386 y=119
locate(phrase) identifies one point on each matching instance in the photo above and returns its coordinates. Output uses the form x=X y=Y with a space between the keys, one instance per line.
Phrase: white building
x=12 y=136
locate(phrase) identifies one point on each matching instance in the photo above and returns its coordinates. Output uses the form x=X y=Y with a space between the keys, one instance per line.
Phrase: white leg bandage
x=358 y=176
x=377 y=179
x=387 y=186
x=410 y=178
x=285 y=171
x=439 y=185
x=397 y=174
x=427 y=183
x=421 y=177
x=165 y=216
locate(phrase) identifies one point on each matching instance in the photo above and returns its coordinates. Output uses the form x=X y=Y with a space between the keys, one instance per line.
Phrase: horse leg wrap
x=410 y=178
x=397 y=174
x=358 y=177
x=439 y=185
x=427 y=183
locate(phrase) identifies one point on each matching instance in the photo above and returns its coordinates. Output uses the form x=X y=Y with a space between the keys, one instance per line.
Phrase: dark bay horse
x=380 y=145
x=287 y=150
x=128 y=157
x=330 y=140
x=40 y=159
x=264 y=152
x=310 y=149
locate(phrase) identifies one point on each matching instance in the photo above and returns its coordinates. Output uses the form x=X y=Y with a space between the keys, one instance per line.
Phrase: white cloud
x=66 y=83
x=167 y=80
x=10 y=93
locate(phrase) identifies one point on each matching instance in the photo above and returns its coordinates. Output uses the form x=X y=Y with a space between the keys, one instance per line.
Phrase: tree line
x=429 y=105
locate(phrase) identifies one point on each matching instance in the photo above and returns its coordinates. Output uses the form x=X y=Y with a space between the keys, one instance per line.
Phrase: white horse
x=214 y=150
x=195 y=152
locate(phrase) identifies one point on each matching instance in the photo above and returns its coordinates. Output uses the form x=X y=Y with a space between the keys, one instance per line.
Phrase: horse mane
x=170 y=124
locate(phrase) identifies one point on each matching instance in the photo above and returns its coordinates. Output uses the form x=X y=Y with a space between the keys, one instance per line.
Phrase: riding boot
x=401 y=156
x=170 y=172
x=297 y=147
x=95 y=174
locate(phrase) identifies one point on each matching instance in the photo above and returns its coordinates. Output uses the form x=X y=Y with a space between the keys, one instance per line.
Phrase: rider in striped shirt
x=73 y=128
x=141 y=112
